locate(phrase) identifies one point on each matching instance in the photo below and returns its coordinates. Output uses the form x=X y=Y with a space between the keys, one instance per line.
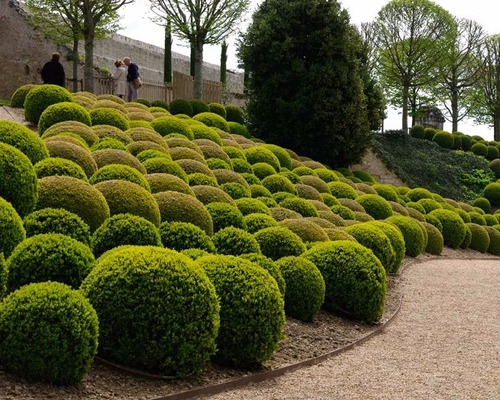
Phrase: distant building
x=433 y=118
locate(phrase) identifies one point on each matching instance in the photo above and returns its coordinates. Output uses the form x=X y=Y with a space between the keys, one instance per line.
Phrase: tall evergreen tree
x=304 y=83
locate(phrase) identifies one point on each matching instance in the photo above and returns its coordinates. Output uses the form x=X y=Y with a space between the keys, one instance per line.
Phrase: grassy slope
x=421 y=163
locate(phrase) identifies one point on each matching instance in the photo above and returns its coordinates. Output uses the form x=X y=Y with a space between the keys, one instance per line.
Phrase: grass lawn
x=4 y=102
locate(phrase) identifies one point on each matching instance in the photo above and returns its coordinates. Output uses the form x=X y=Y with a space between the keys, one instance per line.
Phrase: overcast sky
x=136 y=24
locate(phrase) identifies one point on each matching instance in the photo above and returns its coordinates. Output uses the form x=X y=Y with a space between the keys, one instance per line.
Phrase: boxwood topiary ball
x=120 y=172
x=355 y=280
x=435 y=239
x=417 y=131
x=256 y=221
x=18 y=182
x=23 y=139
x=444 y=139
x=235 y=114
x=262 y=170
x=260 y=154
x=302 y=206
x=181 y=207
x=492 y=193
x=17 y=99
x=167 y=125
x=251 y=315
x=234 y=241
x=412 y=233
x=48 y=333
x=60 y=112
x=397 y=242
x=59 y=166
x=305 y=287
x=88 y=134
x=213 y=120
x=109 y=143
x=341 y=189
x=238 y=129
x=184 y=235
x=480 y=239
x=375 y=205
x=277 y=242
x=217 y=108
x=162 y=306
x=12 y=232
x=249 y=206
x=269 y=265
x=495 y=167
x=278 y=183
x=124 y=229
x=494 y=247
x=225 y=215
x=480 y=149
x=181 y=106
x=109 y=116
x=307 y=230
x=453 y=227
x=41 y=97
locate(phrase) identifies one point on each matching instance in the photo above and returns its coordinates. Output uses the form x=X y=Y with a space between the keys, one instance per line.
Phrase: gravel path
x=443 y=345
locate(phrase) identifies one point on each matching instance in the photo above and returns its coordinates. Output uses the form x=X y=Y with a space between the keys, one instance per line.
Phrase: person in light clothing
x=120 y=80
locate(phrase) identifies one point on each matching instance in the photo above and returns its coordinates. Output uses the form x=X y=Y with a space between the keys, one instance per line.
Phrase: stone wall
x=372 y=164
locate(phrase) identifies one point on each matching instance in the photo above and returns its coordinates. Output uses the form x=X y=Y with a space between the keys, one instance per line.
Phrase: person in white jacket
x=120 y=80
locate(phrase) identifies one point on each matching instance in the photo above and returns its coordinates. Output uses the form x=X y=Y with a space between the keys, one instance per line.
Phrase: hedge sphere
x=307 y=230
x=282 y=155
x=124 y=229
x=260 y=154
x=355 y=280
x=480 y=239
x=235 y=114
x=238 y=129
x=341 y=189
x=181 y=207
x=49 y=257
x=278 y=183
x=305 y=287
x=210 y=194
x=444 y=139
x=453 y=227
x=217 y=108
x=161 y=165
x=269 y=266
x=255 y=222
x=41 y=97
x=126 y=197
x=435 y=239
x=48 y=332
x=492 y=193
x=225 y=215
x=57 y=220
x=59 y=166
x=419 y=193
x=109 y=143
x=60 y=112
x=23 y=139
x=262 y=170
x=120 y=172
x=251 y=310
x=495 y=167
x=397 y=242
x=167 y=125
x=412 y=233
x=483 y=204
x=161 y=303
x=12 y=232
x=480 y=149
x=109 y=116
x=184 y=235
x=375 y=205
x=277 y=242
x=417 y=131
x=181 y=106
x=75 y=196
x=234 y=242
x=75 y=153
x=494 y=247
x=17 y=99
x=82 y=131
x=213 y=120
x=18 y=182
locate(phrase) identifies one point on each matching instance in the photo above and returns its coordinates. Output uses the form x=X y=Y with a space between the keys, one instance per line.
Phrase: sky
x=136 y=24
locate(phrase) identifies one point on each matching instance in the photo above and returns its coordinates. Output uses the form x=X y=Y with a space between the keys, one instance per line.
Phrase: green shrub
x=234 y=241
x=18 y=183
x=277 y=242
x=61 y=112
x=435 y=239
x=12 y=232
x=72 y=152
x=226 y=176
x=204 y=132
x=375 y=205
x=167 y=182
x=263 y=170
x=180 y=106
x=495 y=167
x=429 y=133
x=326 y=175
x=291 y=176
x=48 y=332
x=303 y=170
x=41 y=97
x=199 y=179
x=417 y=131
x=493 y=153
x=281 y=154
x=217 y=163
x=492 y=193
x=307 y=230
x=47 y=257
x=24 y=139
x=217 y=108
x=256 y=221
x=128 y=290
x=494 y=247
x=109 y=143
x=476 y=218
x=17 y=99
x=490 y=219
x=183 y=235
x=468 y=238
x=355 y=280
x=51 y=220
x=412 y=233
x=480 y=239
x=59 y=166
x=305 y=287
x=329 y=200
x=316 y=183
x=453 y=227
x=259 y=191
x=209 y=194
x=250 y=206
x=480 y=149
x=160 y=103
x=167 y=125
x=280 y=213
x=194 y=254
x=181 y=207
x=466 y=143
x=198 y=106
x=419 y=193
x=397 y=242
x=238 y=129
x=235 y=114
x=213 y=120
x=234 y=152
x=81 y=130
x=278 y=183
x=148 y=154
x=341 y=189
x=120 y=172
x=139 y=146
x=344 y=212
x=225 y=215
x=429 y=205
x=160 y=165
x=308 y=192
x=261 y=154
x=109 y=116
x=436 y=222
x=251 y=313
x=236 y=190
x=193 y=166
x=302 y=206
x=444 y=139
x=268 y=201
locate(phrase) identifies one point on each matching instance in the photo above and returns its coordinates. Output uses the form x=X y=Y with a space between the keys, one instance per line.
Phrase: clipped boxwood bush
x=375 y=205
x=225 y=215
x=17 y=99
x=277 y=242
x=307 y=230
x=124 y=229
x=256 y=221
x=23 y=139
x=282 y=155
x=165 y=182
x=249 y=206
x=198 y=106
x=120 y=172
x=494 y=247
x=161 y=165
x=41 y=97
x=435 y=239
x=302 y=206
x=212 y=119
x=12 y=232
x=476 y=218
x=260 y=154
x=210 y=194
x=18 y=181
x=184 y=235
x=417 y=131
x=495 y=167
x=397 y=242
x=199 y=179
x=60 y=112
x=444 y=139
x=48 y=332
x=180 y=106
x=251 y=311
x=355 y=280
x=480 y=240
x=341 y=189
x=109 y=143
x=57 y=220
x=429 y=133
x=238 y=129
x=412 y=233
x=86 y=133
x=480 y=149
x=59 y=166
x=492 y=193
x=493 y=153
x=235 y=241
x=453 y=227
x=75 y=153
x=235 y=114
x=236 y=190
x=483 y=204
x=163 y=306
x=305 y=287
x=262 y=170
x=49 y=257
x=161 y=104
x=204 y=132
x=217 y=108
x=429 y=205
x=109 y=116
x=386 y=191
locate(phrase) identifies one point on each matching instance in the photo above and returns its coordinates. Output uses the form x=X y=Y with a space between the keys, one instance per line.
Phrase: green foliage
x=199 y=106
x=161 y=303
x=492 y=193
x=183 y=235
x=251 y=310
x=238 y=129
x=60 y=112
x=453 y=227
x=355 y=280
x=109 y=143
x=209 y=194
x=213 y=120
x=236 y=190
x=41 y=97
x=342 y=190
x=17 y=99
x=161 y=165
x=491 y=220
x=326 y=175
x=217 y=163
x=375 y=205
x=259 y=191
x=412 y=233
x=167 y=125
x=305 y=287
x=165 y=182
x=109 y=116
x=59 y=166
x=495 y=167
x=480 y=149
x=307 y=230
x=436 y=222
x=256 y=221
x=435 y=240
x=235 y=114
x=397 y=242
x=198 y=179
x=180 y=106
x=24 y=139
x=277 y=242
x=493 y=153
x=429 y=205
x=418 y=131
x=480 y=239
x=483 y=204
x=86 y=133
x=302 y=206
x=48 y=332
x=120 y=172
x=261 y=154
x=217 y=108
x=204 y=132
x=250 y=206
x=160 y=103
x=262 y=170
x=284 y=158
x=494 y=247
x=234 y=241
x=444 y=139
x=278 y=183
x=12 y=232
x=344 y=212
x=225 y=215
x=148 y=154
x=386 y=191
x=75 y=153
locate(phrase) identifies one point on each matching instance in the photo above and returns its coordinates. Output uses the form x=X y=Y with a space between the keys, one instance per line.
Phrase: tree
x=167 y=57
x=304 y=86
x=487 y=109
x=408 y=35
x=223 y=64
x=96 y=13
x=460 y=70
x=200 y=22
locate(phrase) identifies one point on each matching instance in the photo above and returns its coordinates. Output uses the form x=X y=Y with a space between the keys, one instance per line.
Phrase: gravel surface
x=443 y=345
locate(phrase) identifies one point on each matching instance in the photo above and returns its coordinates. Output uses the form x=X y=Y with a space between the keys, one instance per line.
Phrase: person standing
x=132 y=75
x=53 y=71
x=120 y=80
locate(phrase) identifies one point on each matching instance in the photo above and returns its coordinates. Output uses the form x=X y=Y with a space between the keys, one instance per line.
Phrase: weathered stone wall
x=372 y=164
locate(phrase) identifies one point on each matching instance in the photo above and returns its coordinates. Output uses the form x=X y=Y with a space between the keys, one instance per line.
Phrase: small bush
x=59 y=166
x=109 y=143
x=72 y=152
x=375 y=205
x=260 y=154
x=492 y=193
x=217 y=108
x=341 y=189
x=109 y=116
x=23 y=139
x=429 y=133
x=180 y=106
x=483 y=204
x=41 y=97
x=263 y=170
x=204 y=132
x=435 y=239
x=491 y=220
x=12 y=232
x=344 y=212
x=160 y=103
x=386 y=191
x=480 y=149
x=48 y=332
x=161 y=165
x=217 y=163
x=167 y=182
x=60 y=112
x=495 y=167
x=453 y=227
x=198 y=106
x=235 y=114
x=480 y=240
x=493 y=153
x=278 y=242
x=307 y=230
x=238 y=129
x=419 y=193
x=436 y=222
x=397 y=242
x=167 y=125
x=412 y=233
x=120 y=172
x=209 y=194
x=17 y=99
x=429 y=205
x=86 y=133
x=444 y=139
x=278 y=183
x=250 y=206
x=494 y=247
x=417 y=131
x=234 y=241
x=302 y=206
x=225 y=215
x=199 y=179
x=255 y=222
x=213 y=120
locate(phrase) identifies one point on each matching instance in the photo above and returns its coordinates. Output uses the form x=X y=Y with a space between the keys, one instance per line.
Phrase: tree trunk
x=167 y=67
x=496 y=125
x=89 y=61
x=223 y=64
x=192 y=60
x=198 y=69
x=405 y=108
x=75 y=59
x=454 y=111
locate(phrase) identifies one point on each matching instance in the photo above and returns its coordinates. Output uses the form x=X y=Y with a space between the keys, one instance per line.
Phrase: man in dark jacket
x=53 y=71
x=132 y=74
